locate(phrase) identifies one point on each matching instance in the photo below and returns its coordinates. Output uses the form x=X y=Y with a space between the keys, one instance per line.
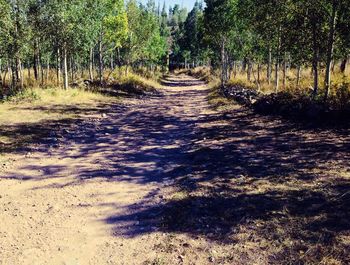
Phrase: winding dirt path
x=167 y=180
x=63 y=206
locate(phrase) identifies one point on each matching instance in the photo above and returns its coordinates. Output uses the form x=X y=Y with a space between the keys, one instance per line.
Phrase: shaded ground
x=167 y=180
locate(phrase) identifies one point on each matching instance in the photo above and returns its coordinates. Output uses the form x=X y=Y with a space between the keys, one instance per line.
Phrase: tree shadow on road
x=241 y=178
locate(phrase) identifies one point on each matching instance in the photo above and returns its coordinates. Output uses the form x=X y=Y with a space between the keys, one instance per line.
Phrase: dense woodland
x=252 y=37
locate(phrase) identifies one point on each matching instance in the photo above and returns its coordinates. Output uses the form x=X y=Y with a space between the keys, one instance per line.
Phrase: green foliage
x=116 y=24
x=145 y=42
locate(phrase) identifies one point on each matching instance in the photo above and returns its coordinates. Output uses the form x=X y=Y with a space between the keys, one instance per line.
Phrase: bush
x=28 y=95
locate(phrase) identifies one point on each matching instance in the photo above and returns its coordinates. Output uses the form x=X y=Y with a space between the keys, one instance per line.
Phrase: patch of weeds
x=28 y=95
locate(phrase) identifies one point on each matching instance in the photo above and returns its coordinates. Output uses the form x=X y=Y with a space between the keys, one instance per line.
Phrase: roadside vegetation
x=297 y=50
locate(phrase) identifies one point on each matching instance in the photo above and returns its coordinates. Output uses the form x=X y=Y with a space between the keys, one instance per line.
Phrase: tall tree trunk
x=7 y=71
x=249 y=70
x=20 y=73
x=100 y=55
x=13 y=74
x=256 y=79
x=223 y=62
x=47 y=70
x=91 y=65
x=81 y=68
x=234 y=69
x=277 y=78
x=330 y=48
x=36 y=60
x=259 y=70
x=244 y=65
x=41 y=68
x=65 y=67
x=71 y=63
x=277 y=64
x=58 y=67
x=269 y=67
x=315 y=59
x=343 y=65
x=298 y=75
x=284 y=73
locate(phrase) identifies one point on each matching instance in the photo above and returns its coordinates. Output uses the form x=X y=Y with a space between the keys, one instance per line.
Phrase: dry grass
x=32 y=115
x=305 y=86
x=25 y=107
x=136 y=80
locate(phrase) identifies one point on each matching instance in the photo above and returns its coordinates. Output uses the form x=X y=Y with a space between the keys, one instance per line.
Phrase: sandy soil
x=167 y=180
x=65 y=205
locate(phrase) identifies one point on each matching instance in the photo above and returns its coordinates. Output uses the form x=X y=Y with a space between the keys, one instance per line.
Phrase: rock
x=211 y=259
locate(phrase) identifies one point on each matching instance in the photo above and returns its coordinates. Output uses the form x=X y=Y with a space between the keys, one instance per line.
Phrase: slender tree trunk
x=100 y=55
x=47 y=70
x=256 y=79
x=13 y=75
x=269 y=67
x=234 y=69
x=277 y=78
x=82 y=68
x=249 y=70
x=91 y=65
x=315 y=60
x=71 y=62
x=58 y=67
x=36 y=60
x=298 y=75
x=18 y=71
x=330 y=49
x=284 y=74
x=65 y=67
x=244 y=65
x=343 y=65
x=41 y=66
x=7 y=71
x=20 y=74
x=259 y=70
x=223 y=62
x=277 y=65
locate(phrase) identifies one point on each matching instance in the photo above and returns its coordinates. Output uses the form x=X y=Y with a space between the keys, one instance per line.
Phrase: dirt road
x=66 y=205
x=166 y=180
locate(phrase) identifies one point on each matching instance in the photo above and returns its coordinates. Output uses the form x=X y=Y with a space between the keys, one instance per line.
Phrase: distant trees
x=278 y=34
x=73 y=36
x=85 y=35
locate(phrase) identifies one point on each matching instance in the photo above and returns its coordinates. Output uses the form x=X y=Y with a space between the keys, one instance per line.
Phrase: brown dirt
x=167 y=180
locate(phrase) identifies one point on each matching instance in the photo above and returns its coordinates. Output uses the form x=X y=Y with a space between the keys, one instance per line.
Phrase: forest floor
x=167 y=179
